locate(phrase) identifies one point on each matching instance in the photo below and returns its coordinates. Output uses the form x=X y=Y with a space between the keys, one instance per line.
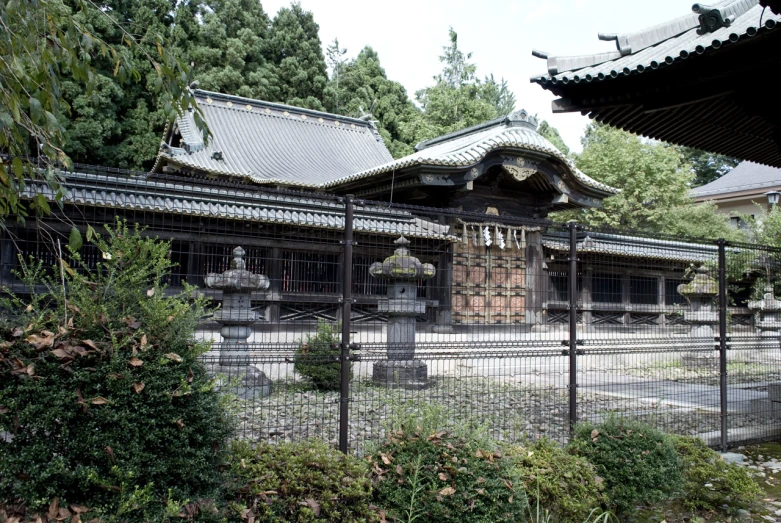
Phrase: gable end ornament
x=711 y=18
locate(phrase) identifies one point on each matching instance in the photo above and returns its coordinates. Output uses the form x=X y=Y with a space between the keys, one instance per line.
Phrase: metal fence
x=520 y=326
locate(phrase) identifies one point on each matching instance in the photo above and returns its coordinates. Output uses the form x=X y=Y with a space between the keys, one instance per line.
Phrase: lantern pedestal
x=236 y=317
x=703 y=317
x=402 y=271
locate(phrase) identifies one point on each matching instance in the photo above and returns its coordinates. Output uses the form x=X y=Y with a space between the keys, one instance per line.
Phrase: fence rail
x=522 y=326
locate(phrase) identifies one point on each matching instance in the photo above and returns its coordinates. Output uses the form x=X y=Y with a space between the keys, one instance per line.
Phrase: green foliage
x=101 y=393
x=317 y=358
x=360 y=87
x=499 y=95
x=638 y=463
x=552 y=135
x=298 y=482
x=707 y=167
x=295 y=54
x=654 y=179
x=228 y=48
x=709 y=481
x=440 y=477
x=566 y=485
x=48 y=47
x=458 y=99
x=699 y=220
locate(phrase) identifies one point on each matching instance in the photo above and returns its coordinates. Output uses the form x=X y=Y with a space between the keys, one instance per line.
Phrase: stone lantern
x=402 y=271
x=235 y=318
x=703 y=316
x=769 y=309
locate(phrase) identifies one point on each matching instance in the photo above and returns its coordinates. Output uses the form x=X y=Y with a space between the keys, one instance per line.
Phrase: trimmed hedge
x=638 y=462
x=564 y=485
x=442 y=478
x=300 y=482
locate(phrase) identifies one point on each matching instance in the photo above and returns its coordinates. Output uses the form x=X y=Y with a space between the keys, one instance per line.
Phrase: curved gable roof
x=470 y=146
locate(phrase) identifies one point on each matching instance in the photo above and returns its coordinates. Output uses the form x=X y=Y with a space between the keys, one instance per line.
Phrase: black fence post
x=723 y=341
x=347 y=299
x=573 y=324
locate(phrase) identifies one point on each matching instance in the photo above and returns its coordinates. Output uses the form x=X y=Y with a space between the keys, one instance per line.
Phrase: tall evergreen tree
x=295 y=57
x=707 y=167
x=119 y=123
x=552 y=135
x=360 y=88
x=499 y=95
x=335 y=58
x=227 y=48
x=456 y=100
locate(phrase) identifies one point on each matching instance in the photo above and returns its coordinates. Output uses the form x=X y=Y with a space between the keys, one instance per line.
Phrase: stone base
x=406 y=374
x=699 y=360
x=247 y=382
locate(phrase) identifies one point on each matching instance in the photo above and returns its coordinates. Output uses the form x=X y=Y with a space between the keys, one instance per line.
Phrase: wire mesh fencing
x=336 y=318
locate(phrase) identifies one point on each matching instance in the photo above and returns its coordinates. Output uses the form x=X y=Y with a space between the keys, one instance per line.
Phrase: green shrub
x=566 y=486
x=317 y=358
x=638 y=463
x=298 y=482
x=102 y=398
x=438 y=477
x=727 y=483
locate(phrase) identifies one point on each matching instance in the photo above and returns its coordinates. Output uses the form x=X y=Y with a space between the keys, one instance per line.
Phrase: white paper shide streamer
x=487 y=236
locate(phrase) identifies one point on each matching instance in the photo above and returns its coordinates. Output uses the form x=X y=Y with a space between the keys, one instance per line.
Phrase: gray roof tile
x=470 y=146
x=139 y=193
x=661 y=45
x=274 y=143
x=634 y=247
x=745 y=177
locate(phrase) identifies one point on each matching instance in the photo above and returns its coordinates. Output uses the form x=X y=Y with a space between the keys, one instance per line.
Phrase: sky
x=409 y=35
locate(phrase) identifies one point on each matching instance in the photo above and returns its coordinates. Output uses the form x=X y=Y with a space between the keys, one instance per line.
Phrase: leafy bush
x=102 y=399
x=438 y=477
x=566 y=486
x=639 y=463
x=317 y=358
x=726 y=482
x=298 y=482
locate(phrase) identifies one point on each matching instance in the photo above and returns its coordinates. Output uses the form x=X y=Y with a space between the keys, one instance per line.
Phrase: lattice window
x=607 y=318
x=644 y=319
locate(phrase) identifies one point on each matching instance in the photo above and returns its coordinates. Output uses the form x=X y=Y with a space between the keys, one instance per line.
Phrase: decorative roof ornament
x=522 y=118
x=712 y=18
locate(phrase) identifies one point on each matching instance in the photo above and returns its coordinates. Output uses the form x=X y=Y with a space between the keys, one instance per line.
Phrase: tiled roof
x=663 y=44
x=634 y=247
x=140 y=193
x=745 y=177
x=274 y=143
x=470 y=146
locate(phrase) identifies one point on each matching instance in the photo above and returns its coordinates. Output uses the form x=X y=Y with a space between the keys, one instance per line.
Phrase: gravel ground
x=509 y=412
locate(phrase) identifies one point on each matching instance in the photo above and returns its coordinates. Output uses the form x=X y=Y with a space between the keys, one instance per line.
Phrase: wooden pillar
x=443 y=290
x=588 y=280
x=194 y=274
x=626 y=297
x=275 y=275
x=535 y=276
x=660 y=299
